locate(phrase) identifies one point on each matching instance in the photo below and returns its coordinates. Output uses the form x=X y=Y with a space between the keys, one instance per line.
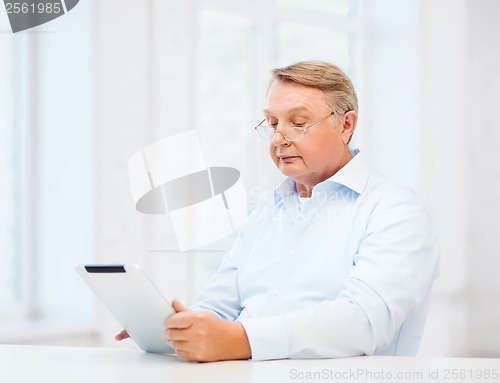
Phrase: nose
x=279 y=139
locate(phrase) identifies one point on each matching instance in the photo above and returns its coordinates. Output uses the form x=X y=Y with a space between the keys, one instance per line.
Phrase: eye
x=272 y=124
x=298 y=124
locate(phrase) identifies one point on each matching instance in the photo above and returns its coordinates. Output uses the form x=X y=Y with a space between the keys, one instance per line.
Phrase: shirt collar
x=353 y=175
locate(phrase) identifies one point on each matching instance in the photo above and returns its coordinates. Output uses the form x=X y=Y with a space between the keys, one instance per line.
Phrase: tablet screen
x=133 y=300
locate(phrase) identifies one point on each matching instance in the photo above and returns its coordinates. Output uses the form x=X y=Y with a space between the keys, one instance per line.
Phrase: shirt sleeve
x=391 y=275
x=221 y=295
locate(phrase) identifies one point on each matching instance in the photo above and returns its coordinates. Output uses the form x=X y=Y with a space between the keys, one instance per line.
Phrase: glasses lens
x=290 y=134
x=265 y=132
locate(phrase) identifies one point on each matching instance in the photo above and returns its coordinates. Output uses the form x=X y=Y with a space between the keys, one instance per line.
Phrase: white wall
x=388 y=106
x=459 y=176
x=444 y=170
x=483 y=154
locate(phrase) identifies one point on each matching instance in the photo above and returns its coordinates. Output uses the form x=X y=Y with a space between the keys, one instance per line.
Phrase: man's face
x=322 y=152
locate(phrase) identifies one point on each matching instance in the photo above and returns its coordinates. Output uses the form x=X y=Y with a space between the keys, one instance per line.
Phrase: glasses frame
x=303 y=130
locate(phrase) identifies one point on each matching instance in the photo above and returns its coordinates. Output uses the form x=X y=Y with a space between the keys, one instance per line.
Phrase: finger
x=122 y=335
x=183 y=349
x=180 y=320
x=178 y=306
x=184 y=355
x=179 y=345
x=175 y=335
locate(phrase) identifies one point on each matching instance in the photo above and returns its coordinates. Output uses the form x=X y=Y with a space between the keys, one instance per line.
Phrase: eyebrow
x=291 y=111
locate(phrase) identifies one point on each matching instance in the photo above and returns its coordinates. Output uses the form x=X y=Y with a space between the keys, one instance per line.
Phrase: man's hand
x=202 y=336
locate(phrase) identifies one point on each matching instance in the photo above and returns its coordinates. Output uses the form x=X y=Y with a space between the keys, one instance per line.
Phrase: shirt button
x=291 y=252
x=275 y=292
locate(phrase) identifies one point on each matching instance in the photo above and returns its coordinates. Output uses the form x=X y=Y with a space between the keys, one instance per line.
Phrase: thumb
x=178 y=306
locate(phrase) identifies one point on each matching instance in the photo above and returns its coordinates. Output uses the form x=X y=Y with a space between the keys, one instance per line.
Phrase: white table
x=43 y=364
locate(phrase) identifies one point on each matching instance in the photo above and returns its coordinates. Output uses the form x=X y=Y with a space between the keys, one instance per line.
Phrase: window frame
x=23 y=117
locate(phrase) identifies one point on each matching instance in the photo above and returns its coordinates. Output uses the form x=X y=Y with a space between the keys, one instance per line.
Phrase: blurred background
x=81 y=94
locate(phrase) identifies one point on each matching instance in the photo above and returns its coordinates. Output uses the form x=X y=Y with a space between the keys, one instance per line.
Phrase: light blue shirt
x=348 y=272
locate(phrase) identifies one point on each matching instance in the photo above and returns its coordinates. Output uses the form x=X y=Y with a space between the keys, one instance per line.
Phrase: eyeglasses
x=290 y=133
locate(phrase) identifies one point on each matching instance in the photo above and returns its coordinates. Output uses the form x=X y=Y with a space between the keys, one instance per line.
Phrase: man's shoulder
x=388 y=203
x=388 y=191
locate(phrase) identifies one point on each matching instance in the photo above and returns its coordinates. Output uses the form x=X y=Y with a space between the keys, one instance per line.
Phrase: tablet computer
x=133 y=300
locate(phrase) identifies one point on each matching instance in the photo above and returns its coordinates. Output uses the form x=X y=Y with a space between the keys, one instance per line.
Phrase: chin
x=290 y=172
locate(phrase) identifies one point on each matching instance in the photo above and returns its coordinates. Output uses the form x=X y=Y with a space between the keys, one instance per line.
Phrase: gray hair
x=328 y=78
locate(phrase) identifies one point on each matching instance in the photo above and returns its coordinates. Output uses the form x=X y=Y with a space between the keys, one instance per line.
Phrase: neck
x=304 y=189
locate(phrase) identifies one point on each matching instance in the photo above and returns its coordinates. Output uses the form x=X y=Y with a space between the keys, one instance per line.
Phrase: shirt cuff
x=268 y=337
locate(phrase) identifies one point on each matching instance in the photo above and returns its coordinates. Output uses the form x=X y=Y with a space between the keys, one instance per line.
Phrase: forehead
x=287 y=97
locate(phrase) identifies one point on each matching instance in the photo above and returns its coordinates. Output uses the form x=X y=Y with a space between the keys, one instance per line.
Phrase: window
x=12 y=166
x=46 y=188
x=343 y=8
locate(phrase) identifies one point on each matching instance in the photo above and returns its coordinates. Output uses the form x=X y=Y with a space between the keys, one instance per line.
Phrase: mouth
x=287 y=158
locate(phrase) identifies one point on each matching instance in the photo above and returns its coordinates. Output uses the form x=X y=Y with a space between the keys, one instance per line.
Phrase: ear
x=350 y=120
